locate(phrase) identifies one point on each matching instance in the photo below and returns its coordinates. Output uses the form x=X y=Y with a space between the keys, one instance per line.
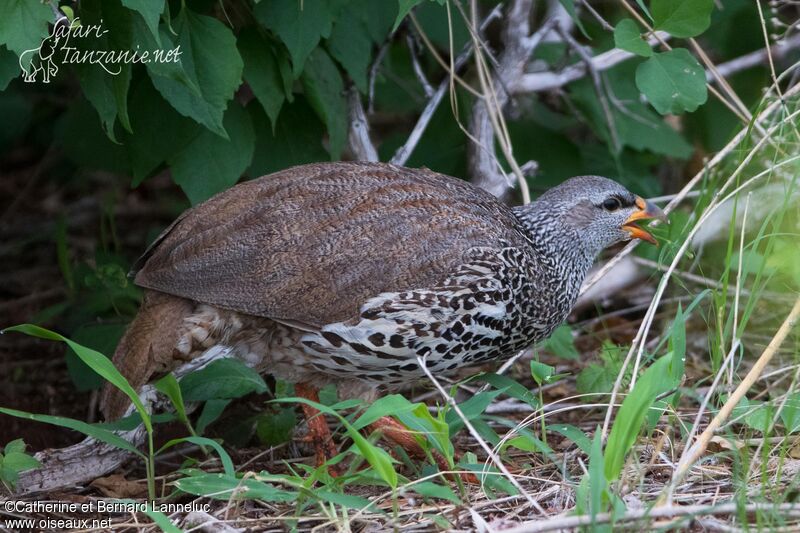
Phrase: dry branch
x=518 y=46
x=358 y=136
x=404 y=152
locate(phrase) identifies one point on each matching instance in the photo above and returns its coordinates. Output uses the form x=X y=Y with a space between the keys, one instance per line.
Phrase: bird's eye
x=611 y=204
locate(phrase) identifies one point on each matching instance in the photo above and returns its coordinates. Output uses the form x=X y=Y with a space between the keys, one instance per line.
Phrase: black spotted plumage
x=348 y=273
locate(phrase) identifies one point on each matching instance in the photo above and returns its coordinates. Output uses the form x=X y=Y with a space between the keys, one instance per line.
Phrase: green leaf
x=510 y=387
x=9 y=67
x=16 y=445
x=597 y=379
x=562 y=344
x=95 y=432
x=677 y=343
x=211 y=412
x=107 y=87
x=390 y=405
x=434 y=430
x=325 y=92
x=225 y=459
x=222 y=379
x=158 y=131
x=404 y=8
x=209 y=163
x=627 y=37
x=169 y=386
x=100 y=337
x=297 y=138
x=541 y=372
x=597 y=481
x=19 y=461
x=262 y=72
x=23 y=24
x=631 y=415
x=170 y=63
x=350 y=44
x=348 y=501
x=569 y=6
x=672 y=81
x=276 y=428
x=377 y=17
x=98 y=362
x=213 y=65
x=430 y=489
x=226 y=487
x=300 y=25
x=682 y=18
x=754 y=414
x=643 y=7
x=150 y=10
x=638 y=125
x=790 y=414
x=574 y=434
x=471 y=409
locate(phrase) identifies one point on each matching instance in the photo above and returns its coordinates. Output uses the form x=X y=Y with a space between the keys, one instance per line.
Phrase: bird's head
x=591 y=212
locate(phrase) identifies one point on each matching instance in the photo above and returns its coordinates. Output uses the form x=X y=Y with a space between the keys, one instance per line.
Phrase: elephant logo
x=40 y=59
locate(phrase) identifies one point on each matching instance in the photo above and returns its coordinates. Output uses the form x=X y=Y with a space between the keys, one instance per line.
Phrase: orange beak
x=647 y=211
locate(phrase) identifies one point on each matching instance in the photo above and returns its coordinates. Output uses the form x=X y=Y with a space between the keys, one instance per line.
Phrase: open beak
x=647 y=211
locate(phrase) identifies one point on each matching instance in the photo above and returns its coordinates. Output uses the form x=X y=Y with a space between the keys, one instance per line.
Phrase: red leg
x=403 y=437
x=318 y=430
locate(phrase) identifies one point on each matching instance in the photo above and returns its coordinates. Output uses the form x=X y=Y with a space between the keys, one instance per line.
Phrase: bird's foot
x=319 y=434
x=400 y=435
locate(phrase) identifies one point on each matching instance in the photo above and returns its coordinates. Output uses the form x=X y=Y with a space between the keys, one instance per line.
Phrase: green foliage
x=209 y=164
x=631 y=416
x=226 y=487
x=262 y=71
x=405 y=7
x=682 y=18
x=23 y=24
x=673 y=81
x=222 y=379
x=599 y=378
x=561 y=343
x=299 y=25
x=212 y=65
x=627 y=37
x=324 y=87
x=14 y=460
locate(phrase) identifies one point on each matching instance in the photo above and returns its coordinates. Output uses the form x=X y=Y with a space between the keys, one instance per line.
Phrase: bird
x=357 y=274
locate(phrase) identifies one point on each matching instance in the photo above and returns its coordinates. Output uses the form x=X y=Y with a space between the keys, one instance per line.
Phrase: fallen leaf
x=116 y=486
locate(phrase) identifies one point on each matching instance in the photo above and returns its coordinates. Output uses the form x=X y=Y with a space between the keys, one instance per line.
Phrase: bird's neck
x=560 y=262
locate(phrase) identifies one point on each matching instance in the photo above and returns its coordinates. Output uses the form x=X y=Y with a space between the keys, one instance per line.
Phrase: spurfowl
x=345 y=273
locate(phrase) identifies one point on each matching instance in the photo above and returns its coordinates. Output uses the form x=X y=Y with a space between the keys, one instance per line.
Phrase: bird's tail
x=146 y=348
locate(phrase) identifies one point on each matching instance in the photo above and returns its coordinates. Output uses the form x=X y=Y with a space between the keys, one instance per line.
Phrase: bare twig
x=418 y=72
x=753 y=59
x=373 y=75
x=487 y=114
x=598 y=87
x=404 y=152
x=545 y=81
x=358 y=135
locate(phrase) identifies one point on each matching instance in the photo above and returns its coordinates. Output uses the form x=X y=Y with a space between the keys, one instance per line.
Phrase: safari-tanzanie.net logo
x=70 y=43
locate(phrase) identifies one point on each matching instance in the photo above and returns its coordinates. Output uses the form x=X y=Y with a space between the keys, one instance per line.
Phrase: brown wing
x=313 y=243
